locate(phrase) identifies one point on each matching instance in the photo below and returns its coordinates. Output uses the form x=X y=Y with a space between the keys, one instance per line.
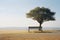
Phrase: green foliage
x=41 y=14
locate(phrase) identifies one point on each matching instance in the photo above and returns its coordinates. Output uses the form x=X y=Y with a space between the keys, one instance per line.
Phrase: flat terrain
x=24 y=35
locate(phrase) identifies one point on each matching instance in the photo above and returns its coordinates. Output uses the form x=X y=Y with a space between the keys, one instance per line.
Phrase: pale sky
x=13 y=12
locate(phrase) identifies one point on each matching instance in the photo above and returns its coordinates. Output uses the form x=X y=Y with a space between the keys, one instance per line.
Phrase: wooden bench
x=32 y=28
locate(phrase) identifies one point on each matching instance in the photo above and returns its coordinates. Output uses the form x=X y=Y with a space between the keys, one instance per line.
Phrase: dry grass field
x=24 y=35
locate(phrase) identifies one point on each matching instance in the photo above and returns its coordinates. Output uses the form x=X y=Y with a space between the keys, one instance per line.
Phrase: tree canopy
x=40 y=14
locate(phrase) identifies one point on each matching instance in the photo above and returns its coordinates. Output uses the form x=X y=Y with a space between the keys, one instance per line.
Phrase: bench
x=32 y=28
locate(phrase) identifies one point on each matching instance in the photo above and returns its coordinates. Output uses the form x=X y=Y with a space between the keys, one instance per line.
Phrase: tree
x=41 y=15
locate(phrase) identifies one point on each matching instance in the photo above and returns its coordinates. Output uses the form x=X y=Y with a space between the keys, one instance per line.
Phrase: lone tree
x=41 y=15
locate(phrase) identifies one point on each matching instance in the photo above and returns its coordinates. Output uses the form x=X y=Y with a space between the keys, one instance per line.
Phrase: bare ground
x=24 y=35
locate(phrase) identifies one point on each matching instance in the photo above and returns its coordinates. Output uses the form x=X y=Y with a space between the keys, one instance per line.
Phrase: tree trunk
x=40 y=27
x=40 y=23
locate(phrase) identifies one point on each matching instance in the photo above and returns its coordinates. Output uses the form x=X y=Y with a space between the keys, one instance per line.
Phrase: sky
x=13 y=12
